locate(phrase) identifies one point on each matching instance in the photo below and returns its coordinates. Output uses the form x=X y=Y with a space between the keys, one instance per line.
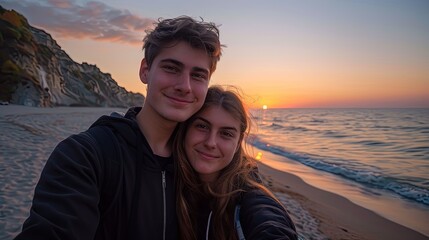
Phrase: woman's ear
x=143 y=71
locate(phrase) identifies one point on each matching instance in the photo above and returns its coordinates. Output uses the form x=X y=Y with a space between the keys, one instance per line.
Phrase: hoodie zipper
x=208 y=225
x=164 y=185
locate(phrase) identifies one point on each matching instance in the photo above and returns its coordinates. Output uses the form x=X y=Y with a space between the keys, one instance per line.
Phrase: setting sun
x=265 y=107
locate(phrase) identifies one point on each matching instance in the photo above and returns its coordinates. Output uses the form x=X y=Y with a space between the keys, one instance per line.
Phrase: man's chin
x=177 y=117
x=183 y=115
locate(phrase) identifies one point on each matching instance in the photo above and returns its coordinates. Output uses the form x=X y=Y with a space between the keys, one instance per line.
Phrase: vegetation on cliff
x=35 y=71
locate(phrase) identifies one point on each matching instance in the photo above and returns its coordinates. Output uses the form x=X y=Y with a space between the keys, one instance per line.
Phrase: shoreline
x=336 y=216
x=13 y=109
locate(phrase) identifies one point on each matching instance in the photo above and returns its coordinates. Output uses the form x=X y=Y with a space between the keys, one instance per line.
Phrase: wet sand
x=320 y=214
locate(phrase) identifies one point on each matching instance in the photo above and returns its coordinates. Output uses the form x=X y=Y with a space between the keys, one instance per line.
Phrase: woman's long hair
x=224 y=192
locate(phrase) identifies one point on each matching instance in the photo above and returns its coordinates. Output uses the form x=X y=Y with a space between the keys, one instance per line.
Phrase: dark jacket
x=104 y=183
x=260 y=217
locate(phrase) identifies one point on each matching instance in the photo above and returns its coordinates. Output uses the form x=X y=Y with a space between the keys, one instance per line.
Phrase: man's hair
x=198 y=34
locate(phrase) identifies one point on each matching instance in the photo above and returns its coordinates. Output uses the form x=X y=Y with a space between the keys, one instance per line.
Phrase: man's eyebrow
x=173 y=61
x=198 y=69
x=180 y=64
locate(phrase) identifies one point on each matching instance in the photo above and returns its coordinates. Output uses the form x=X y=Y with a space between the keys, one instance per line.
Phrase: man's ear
x=144 y=69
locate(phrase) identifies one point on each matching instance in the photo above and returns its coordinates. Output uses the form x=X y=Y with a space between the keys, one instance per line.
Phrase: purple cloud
x=93 y=20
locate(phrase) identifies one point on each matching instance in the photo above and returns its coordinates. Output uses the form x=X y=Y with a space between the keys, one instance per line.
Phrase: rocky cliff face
x=35 y=71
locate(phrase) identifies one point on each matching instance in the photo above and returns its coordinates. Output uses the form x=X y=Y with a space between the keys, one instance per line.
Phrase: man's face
x=177 y=82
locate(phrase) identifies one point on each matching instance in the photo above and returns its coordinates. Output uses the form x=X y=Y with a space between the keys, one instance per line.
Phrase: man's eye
x=199 y=76
x=171 y=69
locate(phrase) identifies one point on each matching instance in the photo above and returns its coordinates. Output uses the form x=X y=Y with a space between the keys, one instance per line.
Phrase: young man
x=115 y=180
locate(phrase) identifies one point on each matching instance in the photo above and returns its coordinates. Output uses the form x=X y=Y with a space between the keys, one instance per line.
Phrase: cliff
x=35 y=71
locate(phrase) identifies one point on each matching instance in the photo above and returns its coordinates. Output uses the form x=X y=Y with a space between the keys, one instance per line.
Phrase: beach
x=28 y=135
x=327 y=215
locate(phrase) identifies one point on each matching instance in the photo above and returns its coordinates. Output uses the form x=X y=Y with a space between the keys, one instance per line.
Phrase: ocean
x=377 y=158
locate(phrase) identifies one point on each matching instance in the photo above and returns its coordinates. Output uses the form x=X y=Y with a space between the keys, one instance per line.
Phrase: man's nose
x=184 y=83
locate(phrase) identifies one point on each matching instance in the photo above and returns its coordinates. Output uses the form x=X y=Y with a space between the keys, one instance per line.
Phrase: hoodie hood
x=125 y=126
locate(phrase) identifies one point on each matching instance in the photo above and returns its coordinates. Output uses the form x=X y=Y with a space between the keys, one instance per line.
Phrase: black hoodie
x=104 y=183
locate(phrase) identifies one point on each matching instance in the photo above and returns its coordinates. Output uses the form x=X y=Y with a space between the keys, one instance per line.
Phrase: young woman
x=218 y=184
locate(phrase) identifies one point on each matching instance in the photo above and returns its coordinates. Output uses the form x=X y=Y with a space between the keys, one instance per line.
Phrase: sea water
x=376 y=152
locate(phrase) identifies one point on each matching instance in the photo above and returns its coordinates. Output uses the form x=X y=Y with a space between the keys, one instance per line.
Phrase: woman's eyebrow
x=202 y=119
x=208 y=122
x=230 y=128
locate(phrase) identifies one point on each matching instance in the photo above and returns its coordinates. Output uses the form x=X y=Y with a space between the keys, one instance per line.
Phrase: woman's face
x=211 y=141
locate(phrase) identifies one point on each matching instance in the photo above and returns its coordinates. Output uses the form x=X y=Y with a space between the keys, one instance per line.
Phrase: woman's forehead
x=217 y=115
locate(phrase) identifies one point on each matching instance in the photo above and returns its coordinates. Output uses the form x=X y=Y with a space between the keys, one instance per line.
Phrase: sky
x=280 y=53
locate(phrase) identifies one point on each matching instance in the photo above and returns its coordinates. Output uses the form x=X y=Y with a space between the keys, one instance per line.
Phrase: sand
x=320 y=214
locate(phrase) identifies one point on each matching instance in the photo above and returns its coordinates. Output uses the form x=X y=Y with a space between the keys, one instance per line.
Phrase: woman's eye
x=227 y=134
x=201 y=126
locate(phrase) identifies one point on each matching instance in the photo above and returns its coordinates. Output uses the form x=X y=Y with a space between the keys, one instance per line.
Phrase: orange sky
x=356 y=53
